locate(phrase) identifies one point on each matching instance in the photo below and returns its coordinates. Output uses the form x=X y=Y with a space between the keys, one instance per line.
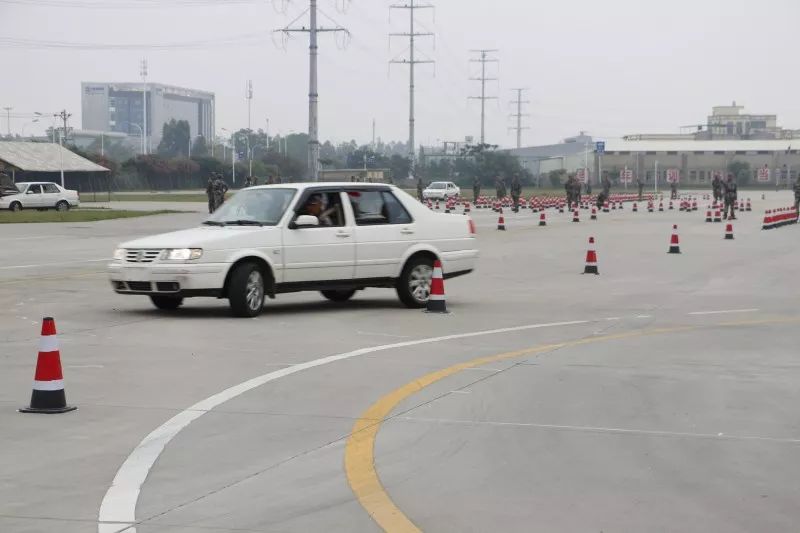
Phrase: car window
x=35 y=189
x=50 y=188
x=377 y=207
x=326 y=206
x=437 y=185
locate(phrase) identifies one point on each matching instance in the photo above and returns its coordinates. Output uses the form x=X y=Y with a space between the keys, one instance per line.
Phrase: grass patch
x=77 y=215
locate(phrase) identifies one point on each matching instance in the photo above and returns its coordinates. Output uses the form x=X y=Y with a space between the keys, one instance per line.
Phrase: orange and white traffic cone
x=48 y=383
x=717 y=216
x=674 y=245
x=594 y=214
x=501 y=223
x=661 y=206
x=708 y=216
x=466 y=207
x=635 y=208
x=591 y=259
x=436 y=300
x=576 y=217
x=542 y=220
x=729 y=231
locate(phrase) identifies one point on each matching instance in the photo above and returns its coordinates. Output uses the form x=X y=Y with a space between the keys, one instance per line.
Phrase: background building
x=570 y=155
x=118 y=107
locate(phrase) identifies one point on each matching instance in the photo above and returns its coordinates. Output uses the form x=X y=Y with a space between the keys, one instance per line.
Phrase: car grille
x=141 y=256
x=139 y=286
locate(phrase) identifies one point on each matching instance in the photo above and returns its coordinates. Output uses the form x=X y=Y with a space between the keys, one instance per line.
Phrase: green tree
x=199 y=147
x=556 y=177
x=175 y=137
x=742 y=171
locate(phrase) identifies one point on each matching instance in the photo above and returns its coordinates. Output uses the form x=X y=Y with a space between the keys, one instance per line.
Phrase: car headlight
x=119 y=254
x=182 y=254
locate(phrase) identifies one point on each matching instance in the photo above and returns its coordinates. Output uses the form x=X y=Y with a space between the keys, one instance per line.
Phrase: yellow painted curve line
x=359 y=460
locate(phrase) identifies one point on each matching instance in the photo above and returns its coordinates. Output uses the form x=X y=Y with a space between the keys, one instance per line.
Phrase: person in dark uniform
x=797 y=197
x=576 y=191
x=640 y=185
x=603 y=196
x=476 y=189
x=673 y=190
x=420 y=188
x=212 y=206
x=569 y=188
x=716 y=188
x=499 y=188
x=516 y=192
x=731 y=193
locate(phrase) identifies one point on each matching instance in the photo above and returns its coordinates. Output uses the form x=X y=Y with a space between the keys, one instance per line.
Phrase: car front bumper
x=158 y=278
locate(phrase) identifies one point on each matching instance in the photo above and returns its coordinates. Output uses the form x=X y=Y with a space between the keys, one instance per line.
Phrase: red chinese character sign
x=582 y=175
x=673 y=175
x=626 y=176
x=763 y=174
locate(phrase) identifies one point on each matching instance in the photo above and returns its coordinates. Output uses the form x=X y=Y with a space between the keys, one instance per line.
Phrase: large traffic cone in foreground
x=48 y=384
x=729 y=231
x=591 y=259
x=542 y=220
x=436 y=301
x=674 y=246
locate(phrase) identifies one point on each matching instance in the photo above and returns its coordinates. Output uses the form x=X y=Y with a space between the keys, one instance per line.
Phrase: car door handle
x=407 y=231
x=342 y=234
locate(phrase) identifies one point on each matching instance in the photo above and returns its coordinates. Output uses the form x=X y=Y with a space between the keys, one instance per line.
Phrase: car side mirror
x=305 y=221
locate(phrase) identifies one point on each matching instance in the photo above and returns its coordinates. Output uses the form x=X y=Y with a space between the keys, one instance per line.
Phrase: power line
x=411 y=62
x=483 y=60
x=313 y=94
x=519 y=114
x=125 y=4
x=240 y=40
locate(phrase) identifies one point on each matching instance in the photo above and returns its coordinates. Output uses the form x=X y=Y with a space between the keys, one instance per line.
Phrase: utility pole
x=249 y=96
x=373 y=134
x=483 y=60
x=313 y=94
x=411 y=61
x=64 y=116
x=8 y=119
x=143 y=73
x=519 y=114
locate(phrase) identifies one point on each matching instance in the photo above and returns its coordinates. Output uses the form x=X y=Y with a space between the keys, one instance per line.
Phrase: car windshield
x=438 y=185
x=21 y=186
x=254 y=206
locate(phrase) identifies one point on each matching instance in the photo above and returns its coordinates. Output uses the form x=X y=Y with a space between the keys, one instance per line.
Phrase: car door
x=50 y=194
x=33 y=196
x=384 y=231
x=321 y=253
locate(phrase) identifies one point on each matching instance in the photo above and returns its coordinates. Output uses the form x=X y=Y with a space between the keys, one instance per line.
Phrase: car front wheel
x=414 y=285
x=167 y=303
x=62 y=206
x=15 y=206
x=246 y=290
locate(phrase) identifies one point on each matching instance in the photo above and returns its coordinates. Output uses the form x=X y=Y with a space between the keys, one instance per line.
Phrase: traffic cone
x=650 y=206
x=437 y=205
x=591 y=259
x=767 y=220
x=436 y=300
x=48 y=384
x=694 y=205
x=635 y=208
x=748 y=207
x=717 y=216
x=501 y=223
x=576 y=216
x=466 y=207
x=661 y=207
x=671 y=207
x=594 y=214
x=605 y=207
x=708 y=216
x=674 y=246
x=729 y=231
x=542 y=220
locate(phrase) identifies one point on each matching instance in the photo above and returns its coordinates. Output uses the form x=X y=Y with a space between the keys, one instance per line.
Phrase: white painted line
x=118 y=508
x=460 y=392
x=613 y=318
x=626 y=431
x=644 y=316
x=723 y=312
x=12 y=267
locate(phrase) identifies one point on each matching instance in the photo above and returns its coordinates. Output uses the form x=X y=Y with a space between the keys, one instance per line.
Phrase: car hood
x=8 y=194
x=209 y=238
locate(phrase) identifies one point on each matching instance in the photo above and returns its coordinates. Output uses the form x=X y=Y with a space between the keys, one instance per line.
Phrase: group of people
x=215 y=191
x=727 y=192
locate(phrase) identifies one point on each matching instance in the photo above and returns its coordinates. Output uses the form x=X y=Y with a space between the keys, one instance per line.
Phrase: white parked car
x=441 y=190
x=39 y=195
x=335 y=238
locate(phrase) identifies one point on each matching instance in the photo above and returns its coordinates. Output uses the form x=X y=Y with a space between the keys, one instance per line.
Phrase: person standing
x=569 y=187
x=576 y=191
x=516 y=192
x=640 y=185
x=731 y=194
x=247 y=183
x=212 y=206
x=420 y=188
x=673 y=188
x=716 y=188
x=498 y=188
x=604 y=194
x=220 y=188
x=476 y=188
x=797 y=197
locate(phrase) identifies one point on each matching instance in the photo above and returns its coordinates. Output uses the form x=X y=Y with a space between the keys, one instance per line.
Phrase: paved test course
x=660 y=395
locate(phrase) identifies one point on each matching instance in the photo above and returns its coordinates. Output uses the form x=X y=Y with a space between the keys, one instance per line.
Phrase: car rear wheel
x=246 y=290
x=339 y=295
x=15 y=206
x=62 y=206
x=167 y=303
x=414 y=285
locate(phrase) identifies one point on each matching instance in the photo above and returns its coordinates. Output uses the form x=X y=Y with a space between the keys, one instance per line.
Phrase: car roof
x=35 y=182
x=326 y=185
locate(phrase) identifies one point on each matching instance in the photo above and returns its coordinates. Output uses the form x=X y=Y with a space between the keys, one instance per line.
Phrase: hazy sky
x=608 y=67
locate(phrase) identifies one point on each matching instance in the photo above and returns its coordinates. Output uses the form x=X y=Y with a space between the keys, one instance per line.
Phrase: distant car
x=39 y=195
x=441 y=190
x=335 y=238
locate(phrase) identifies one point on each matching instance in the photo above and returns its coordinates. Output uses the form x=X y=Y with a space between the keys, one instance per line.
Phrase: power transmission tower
x=249 y=96
x=519 y=114
x=313 y=94
x=411 y=61
x=483 y=60
x=145 y=138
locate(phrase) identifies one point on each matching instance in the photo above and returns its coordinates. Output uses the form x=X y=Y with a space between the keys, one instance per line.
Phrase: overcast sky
x=608 y=67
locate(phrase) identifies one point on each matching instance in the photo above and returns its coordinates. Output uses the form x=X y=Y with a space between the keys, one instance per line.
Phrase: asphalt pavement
x=658 y=396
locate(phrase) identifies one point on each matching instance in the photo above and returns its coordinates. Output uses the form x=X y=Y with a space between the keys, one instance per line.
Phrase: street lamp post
x=8 y=119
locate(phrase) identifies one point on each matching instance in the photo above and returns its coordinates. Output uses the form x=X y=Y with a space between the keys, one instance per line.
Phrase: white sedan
x=40 y=195
x=441 y=190
x=335 y=238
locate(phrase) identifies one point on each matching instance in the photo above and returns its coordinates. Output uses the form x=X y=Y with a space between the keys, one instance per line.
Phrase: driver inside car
x=314 y=208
